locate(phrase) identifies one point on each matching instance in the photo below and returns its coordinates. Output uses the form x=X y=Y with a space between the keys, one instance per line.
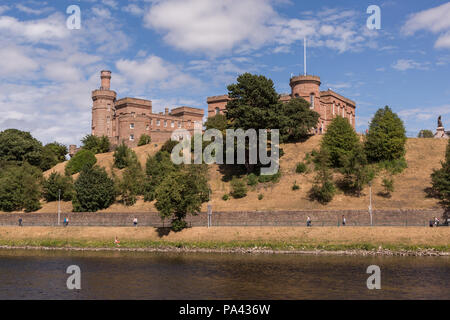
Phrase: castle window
x=131 y=125
x=350 y=119
x=165 y=123
x=296 y=95
x=147 y=127
x=158 y=122
x=133 y=114
x=109 y=107
x=179 y=124
x=172 y=124
x=311 y=99
x=131 y=137
x=217 y=110
x=333 y=108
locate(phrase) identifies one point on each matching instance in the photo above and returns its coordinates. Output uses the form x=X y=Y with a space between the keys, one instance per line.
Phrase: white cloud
x=29 y=10
x=133 y=9
x=4 y=9
x=15 y=63
x=406 y=64
x=111 y=3
x=435 y=20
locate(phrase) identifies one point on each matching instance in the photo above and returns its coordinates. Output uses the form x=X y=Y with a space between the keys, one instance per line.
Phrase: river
x=127 y=275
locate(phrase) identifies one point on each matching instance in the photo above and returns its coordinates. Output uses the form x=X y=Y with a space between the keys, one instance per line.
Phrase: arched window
x=333 y=109
x=296 y=95
x=311 y=100
x=217 y=110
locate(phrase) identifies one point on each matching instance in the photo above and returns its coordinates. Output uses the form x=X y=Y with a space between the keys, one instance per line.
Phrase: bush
x=357 y=173
x=260 y=196
x=388 y=186
x=96 y=144
x=168 y=146
x=340 y=140
x=144 y=139
x=252 y=179
x=81 y=159
x=225 y=197
x=178 y=225
x=394 y=166
x=301 y=168
x=386 y=138
x=323 y=189
x=20 y=188
x=295 y=186
x=124 y=156
x=56 y=183
x=131 y=185
x=425 y=134
x=270 y=178
x=157 y=168
x=238 y=188
x=94 y=190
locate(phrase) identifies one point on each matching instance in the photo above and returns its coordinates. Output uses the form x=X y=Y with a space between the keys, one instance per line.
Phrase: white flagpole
x=304 y=55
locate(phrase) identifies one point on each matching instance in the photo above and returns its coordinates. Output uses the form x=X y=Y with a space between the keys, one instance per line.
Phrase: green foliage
x=238 y=188
x=260 y=196
x=388 y=186
x=60 y=150
x=301 y=168
x=386 y=138
x=219 y=122
x=52 y=154
x=144 y=140
x=323 y=189
x=124 y=156
x=225 y=197
x=252 y=179
x=425 y=134
x=157 y=169
x=182 y=192
x=357 y=173
x=340 y=140
x=132 y=184
x=20 y=188
x=440 y=179
x=168 y=146
x=297 y=120
x=270 y=177
x=295 y=186
x=55 y=183
x=81 y=159
x=394 y=166
x=96 y=144
x=94 y=190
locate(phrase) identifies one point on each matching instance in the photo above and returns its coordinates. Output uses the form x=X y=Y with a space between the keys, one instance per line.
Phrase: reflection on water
x=119 y=275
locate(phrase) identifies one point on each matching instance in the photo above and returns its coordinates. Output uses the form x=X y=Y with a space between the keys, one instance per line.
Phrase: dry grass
x=423 y=155
x=411 y=236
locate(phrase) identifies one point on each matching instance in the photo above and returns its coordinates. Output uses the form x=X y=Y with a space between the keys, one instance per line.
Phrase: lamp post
x=370 y=203
x=59 y=205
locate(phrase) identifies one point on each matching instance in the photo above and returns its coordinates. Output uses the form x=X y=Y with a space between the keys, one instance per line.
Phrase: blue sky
x=179 y=52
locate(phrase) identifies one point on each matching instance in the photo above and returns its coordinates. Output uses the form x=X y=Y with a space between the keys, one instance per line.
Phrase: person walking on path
x=116 y=241
x=308 y=221
x=20 y=222
x=135 y=221
x=343 y=221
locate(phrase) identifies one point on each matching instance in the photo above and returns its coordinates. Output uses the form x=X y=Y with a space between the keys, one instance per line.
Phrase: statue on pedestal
x=440 y=122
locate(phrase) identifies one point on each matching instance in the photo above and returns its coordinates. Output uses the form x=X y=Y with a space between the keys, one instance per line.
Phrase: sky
x=179 y=52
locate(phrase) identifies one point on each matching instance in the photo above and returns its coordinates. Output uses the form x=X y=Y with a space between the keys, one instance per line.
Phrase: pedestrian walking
x=344 y=221
x=308 y=221
x=135 y=221
x=20 y=222
x=116 y=241
x=436 y=221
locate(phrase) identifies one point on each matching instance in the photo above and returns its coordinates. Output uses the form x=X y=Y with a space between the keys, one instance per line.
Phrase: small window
x=158 y=122
x=333 y=108
x=172 y=124
x=131 y=137
x=131 y=125
x=296 y=95
x=217 y=110
x=311 y=99
x=133 y=114
x=109 y=107
x=165 y=123
x=147 y=127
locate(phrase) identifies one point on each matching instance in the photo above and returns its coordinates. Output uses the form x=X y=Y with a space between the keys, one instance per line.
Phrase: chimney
x=106 y=79
x=166 y=111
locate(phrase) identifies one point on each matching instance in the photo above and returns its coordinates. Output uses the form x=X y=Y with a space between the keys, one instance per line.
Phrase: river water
x=128 y=275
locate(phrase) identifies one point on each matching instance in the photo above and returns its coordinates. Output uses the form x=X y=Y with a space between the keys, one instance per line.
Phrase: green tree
x=323 y=188
x=386 y=138
x=298 y=120
x=81 y=159
x=60 y=150
x=144 y=140
x=425 y=134
x=440 y=179
x=168 y=146
x=20 y=188
x=94 y=190
x=18 y=147
x=219 y=122
x=157 y=169
x=340 y=141
x=124 y=156
x=132 y=184
x=388 y=186
x=52 y=154
x=182 y=192
x=96 y=144
x=56 y=183
x=238 y=188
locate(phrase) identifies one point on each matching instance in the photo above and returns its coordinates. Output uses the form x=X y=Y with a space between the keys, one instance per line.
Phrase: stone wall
x=262 y=218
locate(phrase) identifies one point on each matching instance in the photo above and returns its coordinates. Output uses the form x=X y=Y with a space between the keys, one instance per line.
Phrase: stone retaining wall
x=238 y=218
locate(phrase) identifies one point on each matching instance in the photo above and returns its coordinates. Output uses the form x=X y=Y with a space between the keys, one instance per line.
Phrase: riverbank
x=295 y=240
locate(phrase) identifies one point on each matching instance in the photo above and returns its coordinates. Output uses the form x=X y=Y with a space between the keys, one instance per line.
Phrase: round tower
x=103 y=100
x=307 y=87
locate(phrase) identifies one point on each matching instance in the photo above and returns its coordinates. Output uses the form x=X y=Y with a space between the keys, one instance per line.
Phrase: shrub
x=131 y=185
x=81 y=159
x=144 y=139
x=252 y=179
x=340 y=140
x=388 y=186
x=124 y=156
x=386 y=138
x=301 y=168
x=323 y=189
x=157 y=168
x=425 y=134
x=295 y=186
x=20 y=188
x=94 y=190
x=168 y=146
x=260 y=196
x=270 y=178
x=238 y=188
x=225 y=197
x=96 y=144
x=394 y=166
x=57 y=183
x=178 y=225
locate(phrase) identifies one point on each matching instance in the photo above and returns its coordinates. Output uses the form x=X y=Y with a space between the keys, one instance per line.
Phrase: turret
x=105 y=75
x=103 y=101
x=307 y=87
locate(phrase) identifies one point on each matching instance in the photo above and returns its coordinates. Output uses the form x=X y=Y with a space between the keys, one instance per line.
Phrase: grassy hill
x=423 y=155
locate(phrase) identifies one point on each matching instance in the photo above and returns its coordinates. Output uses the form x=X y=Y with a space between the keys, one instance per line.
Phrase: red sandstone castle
x=127 y=119
x=328 y=104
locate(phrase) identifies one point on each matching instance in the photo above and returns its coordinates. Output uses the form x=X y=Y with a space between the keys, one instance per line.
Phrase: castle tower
x=103 y=100
x=307 y=87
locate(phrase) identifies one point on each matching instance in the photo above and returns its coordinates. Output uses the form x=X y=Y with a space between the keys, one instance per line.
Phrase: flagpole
x=304 y=55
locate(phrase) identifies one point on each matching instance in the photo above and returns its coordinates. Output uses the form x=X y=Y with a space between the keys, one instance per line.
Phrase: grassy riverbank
x=234 y=239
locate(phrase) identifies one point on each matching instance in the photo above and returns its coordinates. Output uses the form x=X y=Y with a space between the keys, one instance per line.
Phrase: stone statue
x=439 y=122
